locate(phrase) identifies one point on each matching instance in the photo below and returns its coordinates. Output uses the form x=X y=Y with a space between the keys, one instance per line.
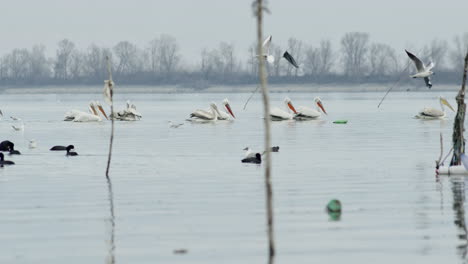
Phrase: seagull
x=172 y=125
x=270 y=58
x=32 y=144
x=423 y=70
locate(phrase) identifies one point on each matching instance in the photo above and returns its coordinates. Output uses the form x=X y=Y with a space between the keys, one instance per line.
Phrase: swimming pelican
x=222 y=114
x=203 y=115
x=433 y=113
x=128 y=114
x=423 y=70
x=81 y=116
x=278 y=114
x=307 y=113
x=5 y=162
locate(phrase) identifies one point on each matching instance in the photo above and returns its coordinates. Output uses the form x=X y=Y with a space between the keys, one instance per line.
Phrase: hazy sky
x=204 y=23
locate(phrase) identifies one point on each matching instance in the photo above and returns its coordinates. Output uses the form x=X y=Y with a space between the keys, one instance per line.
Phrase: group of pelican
x=95 y=109
x=300 y=113
x=213 y=113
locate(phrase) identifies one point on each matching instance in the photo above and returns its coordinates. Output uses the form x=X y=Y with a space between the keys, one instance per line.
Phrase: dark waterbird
x=59 y=148
x=5 y=162
x=257 y=159
x=69 y=152
x=9 y=146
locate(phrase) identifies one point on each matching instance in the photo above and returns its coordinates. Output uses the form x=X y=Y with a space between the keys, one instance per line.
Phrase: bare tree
x=226 y=52
x=381 y=59
x=312 y=61
x=38 y=63
x=63 y=57
x=18 y=64
x=127 y=58
x=460 y=48
x=326 y=57
x=169 y=53
x=354 y=48
x=436 y=52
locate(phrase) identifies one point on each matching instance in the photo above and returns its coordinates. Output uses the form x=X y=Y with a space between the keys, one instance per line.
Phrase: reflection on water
x=111 y=256
x=458 y=190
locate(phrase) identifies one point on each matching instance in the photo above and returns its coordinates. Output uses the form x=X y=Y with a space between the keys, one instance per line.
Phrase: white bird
x=81 y=116
x=226 y=115
x=15 y=118
x=423 y=70
x=32 y=144
x=266 y=50
x=249 y=153
x=433 y=113
x=204 y=115
x=278 y=114
x=307 y=113
x=128 y=114
x=172 y=125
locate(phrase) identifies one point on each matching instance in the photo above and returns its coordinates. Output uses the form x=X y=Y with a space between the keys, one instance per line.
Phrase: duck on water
x=9 y=146
x=5 y=162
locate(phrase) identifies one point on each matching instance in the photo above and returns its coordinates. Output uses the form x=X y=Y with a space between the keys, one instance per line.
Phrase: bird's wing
x=280 y=113
x=266 y=44
x=416 y=60
x=307 y=112
x=431 y=112
x=290 y=58
x=428 y=82
x=430 y=66
x=202 y=114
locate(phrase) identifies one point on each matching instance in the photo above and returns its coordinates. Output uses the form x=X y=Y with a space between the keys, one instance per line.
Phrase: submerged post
x=458 y=126
x=259 y=9
x=109 y=98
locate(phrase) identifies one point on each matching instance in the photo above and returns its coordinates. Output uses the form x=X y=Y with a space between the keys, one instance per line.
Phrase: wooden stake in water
x=109 y=98
x=458 y=128
x=259 y=9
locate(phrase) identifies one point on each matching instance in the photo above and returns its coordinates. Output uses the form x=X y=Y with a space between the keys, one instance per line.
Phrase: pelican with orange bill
x=278 y=114
x=307 y=113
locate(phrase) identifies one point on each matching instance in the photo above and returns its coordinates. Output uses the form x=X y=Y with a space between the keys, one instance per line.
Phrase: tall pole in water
x=458 y=126
x=109 y=97
x=259 y=9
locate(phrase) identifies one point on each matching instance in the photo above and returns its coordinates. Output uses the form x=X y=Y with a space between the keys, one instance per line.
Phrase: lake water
x=186 y=188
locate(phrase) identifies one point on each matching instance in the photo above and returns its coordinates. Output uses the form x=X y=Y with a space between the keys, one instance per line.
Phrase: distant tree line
x=356 y=59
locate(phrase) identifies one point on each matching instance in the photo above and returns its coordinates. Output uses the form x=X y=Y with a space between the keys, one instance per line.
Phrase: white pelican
x=81 y=116
x=204 y=115
x=128 y=114
x=423 y=70
x=224 y=115
x=307 y=113
x=278 y=114
x=433 y=113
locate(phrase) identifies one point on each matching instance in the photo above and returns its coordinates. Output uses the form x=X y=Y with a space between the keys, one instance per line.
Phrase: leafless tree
x=127 y=57
x=382 y=60
x=63 y=57
x=319 y=61
x=169 y=53
x=354 y=48
x=38 y=64
x=436 y=52
x=228 y=59
x=460 y=48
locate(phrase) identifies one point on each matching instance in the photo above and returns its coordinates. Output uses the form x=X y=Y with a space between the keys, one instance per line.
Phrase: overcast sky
x=204 y=23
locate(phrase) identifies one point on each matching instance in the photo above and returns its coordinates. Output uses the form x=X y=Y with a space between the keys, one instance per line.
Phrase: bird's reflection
x=458 y=191
x=111 y=256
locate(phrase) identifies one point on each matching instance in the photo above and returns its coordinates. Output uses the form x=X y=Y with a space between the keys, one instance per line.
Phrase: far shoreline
x=275 y=88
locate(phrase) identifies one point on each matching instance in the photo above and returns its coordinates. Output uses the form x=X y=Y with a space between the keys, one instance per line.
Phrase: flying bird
x=423 y=70
x=270 y=58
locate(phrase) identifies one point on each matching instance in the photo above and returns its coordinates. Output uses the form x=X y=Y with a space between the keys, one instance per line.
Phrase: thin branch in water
x=266 y=110
x=250 y=97
x=109 y=97
x=396 y=84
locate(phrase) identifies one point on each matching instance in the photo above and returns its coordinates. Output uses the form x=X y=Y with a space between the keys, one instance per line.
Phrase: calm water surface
x=186 y=187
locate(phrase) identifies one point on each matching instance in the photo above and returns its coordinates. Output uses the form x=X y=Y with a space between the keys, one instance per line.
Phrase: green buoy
x=340 y=122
